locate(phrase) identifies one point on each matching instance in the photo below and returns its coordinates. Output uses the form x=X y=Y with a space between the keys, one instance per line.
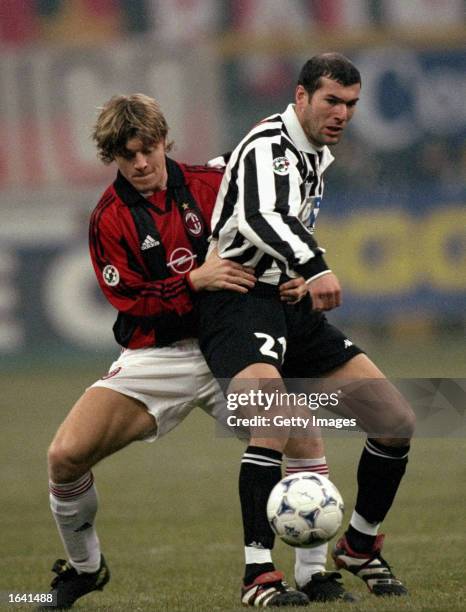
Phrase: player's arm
x=265 y=198
x=122 y=278
x=217 y=273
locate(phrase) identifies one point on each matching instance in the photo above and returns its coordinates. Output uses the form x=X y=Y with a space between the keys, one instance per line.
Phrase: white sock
x=74 y=506
x=359 y=522
x=257 y=555
x=308 y=561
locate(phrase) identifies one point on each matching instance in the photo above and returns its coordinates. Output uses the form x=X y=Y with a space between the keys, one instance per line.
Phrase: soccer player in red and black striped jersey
x=148 y=240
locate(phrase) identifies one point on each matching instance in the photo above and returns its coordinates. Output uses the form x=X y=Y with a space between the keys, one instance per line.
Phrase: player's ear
x=301 y=96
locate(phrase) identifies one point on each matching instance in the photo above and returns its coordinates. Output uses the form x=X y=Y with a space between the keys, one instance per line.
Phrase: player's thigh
x=241 y=330
x=356 y=368
x=258 y=371
x=315 y=346
x=263 y=384
x=101 y=422
x=243 y=337
x=377 y=404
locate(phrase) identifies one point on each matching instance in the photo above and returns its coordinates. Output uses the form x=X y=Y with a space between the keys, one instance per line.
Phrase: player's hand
x=325 y=292
x=217 y=273
x=293 y=290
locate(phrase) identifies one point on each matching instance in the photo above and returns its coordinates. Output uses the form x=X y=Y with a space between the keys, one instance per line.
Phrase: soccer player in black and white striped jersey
x=264 y=218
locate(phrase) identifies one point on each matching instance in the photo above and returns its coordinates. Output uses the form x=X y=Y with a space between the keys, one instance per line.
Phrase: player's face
x=325 y=115
x=144 y=165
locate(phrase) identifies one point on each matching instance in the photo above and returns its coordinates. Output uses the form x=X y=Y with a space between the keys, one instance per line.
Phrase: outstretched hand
x=217 y=273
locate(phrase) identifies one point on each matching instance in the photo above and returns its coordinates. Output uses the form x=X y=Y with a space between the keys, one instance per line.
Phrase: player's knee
x=65 y=463
x=277 y=443
x=403 y=426
x=408 y=420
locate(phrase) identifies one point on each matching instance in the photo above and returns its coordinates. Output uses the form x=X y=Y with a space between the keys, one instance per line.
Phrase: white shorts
x=170 y=381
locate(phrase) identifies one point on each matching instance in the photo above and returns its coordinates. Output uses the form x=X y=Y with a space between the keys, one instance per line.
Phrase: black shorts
x=237 y=330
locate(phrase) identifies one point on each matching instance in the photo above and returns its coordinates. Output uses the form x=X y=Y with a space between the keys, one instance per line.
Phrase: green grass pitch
x=169 y=519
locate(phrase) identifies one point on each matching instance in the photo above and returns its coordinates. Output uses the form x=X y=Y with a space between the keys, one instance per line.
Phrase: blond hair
x=126 y=117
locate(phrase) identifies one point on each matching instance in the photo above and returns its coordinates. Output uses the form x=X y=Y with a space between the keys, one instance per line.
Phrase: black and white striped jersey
x=269 y=199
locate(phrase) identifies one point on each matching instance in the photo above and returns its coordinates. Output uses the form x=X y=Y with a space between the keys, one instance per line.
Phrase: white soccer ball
x=305 y=509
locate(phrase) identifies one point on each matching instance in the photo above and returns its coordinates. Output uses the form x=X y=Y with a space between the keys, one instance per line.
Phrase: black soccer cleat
x=370 y=567
x=269 y=590
x=325 y=586
x=68 y=585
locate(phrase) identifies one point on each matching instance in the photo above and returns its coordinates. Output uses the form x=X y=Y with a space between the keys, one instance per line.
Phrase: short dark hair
x=334 y=66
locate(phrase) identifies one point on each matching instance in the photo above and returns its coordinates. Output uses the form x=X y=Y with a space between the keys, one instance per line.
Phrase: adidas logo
x=256 y=545
x=149 y=243
x=83 y=527
x=348 y=343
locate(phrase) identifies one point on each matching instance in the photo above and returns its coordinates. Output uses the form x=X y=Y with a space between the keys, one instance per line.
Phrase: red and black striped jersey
x=142 y=250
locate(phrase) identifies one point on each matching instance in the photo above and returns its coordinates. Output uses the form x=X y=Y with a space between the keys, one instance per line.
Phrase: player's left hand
x=293 y=290
x=325 y=292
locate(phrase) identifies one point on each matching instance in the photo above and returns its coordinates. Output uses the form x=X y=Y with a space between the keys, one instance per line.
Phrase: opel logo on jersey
x=281 y=165
x=193 y=223
x=181 y=260
x=111 y=275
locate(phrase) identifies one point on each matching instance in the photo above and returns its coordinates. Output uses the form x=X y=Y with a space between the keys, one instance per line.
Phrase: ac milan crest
x=193 y=223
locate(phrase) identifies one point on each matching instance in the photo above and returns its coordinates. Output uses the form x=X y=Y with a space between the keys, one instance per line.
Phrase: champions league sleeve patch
x=111 y=275
x=281 y=166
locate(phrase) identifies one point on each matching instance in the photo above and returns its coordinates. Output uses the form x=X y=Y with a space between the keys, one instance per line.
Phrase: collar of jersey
x=127 y=193
x=298 y=136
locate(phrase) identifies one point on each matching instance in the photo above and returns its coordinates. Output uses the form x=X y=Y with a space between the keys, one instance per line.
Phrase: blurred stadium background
x=394 y=214
x=393 y=223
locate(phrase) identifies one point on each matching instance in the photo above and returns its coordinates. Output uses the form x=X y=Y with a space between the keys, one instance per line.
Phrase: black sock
x=260 y=471
x=256 y=569
x=380 y=471
x=359 y=542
